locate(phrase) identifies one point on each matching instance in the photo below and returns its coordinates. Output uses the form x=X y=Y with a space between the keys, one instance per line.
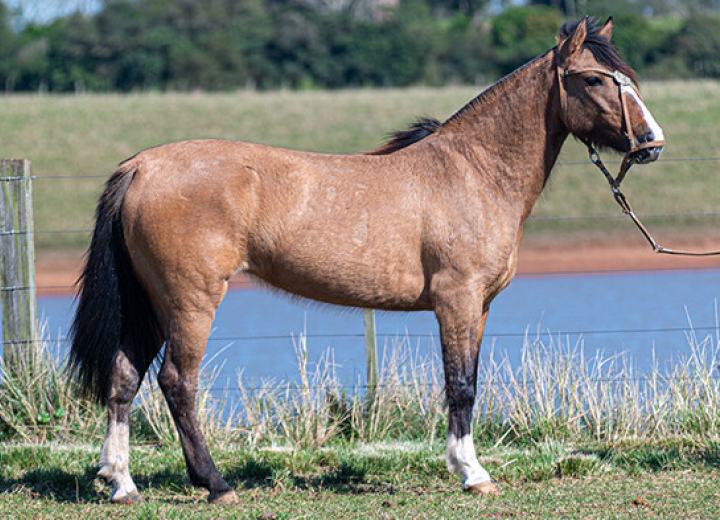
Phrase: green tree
x=698 y=45
x=210 y=45
x=75 y=54
x=146 y=44
x=8 y=51
x=298 y=52
x=521 y=33
x=638 y=40
x=449 y=8
x=394 y=52
x=32 y=60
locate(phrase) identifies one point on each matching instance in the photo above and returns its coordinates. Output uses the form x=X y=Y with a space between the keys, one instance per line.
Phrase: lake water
x=637 y=312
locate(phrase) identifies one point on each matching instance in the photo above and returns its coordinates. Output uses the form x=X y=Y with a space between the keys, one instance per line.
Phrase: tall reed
x=38 y=403
x=556 y=392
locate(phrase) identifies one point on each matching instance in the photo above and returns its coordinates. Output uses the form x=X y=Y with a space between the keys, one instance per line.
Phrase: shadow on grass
x=81 y=487
x=659 y=457
x=345 y=479
x=54 y=483
x=86 y=487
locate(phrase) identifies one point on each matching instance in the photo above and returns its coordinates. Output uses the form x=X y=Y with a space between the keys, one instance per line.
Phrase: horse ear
x=571 y=45
x=607 y=29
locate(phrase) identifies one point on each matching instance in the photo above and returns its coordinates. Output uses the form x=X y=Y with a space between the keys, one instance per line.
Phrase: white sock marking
x=461 y=459
x=115 y=460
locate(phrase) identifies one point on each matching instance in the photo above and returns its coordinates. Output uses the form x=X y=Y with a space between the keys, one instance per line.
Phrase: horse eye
x=593 y=81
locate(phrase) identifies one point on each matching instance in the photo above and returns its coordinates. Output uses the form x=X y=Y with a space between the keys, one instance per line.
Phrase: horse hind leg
x=115 y=456
x=178 y=379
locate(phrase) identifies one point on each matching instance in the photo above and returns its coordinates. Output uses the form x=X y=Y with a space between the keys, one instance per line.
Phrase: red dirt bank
x=57 y=271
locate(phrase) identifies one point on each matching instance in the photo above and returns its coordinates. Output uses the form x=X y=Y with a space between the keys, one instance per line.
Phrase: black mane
x=420 y=129
x=603 y=51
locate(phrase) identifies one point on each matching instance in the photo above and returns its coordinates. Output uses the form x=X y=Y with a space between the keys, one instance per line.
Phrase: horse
x=431 y=220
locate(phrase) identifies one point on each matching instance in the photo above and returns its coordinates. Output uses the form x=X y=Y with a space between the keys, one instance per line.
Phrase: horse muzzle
x=647 y=149
x=646 y=155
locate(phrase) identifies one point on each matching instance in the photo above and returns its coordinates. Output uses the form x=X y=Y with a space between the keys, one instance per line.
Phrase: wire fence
x=437 y=387
x=229 y=340
x=240 y=339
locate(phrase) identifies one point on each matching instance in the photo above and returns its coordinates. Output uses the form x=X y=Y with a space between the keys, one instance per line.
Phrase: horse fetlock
x=462 y=461
x=114 y=470
x=109 y=469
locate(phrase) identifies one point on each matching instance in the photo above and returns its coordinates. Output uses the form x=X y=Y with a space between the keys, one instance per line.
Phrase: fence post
x=371 y=351
x=17 y=260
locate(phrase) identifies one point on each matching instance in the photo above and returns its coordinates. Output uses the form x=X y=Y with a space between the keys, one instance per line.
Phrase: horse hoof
x=129 y=499
x=230 y=497
x=483 y=488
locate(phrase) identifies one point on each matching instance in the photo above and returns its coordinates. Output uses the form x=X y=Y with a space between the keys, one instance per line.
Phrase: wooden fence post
x=17 y=260
x=371 y=351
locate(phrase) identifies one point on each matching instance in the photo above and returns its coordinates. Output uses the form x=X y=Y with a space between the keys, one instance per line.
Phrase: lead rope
x=627 y=209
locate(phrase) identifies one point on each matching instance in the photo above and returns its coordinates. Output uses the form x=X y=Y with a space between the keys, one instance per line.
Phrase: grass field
x=549 y=480
x=89 y=135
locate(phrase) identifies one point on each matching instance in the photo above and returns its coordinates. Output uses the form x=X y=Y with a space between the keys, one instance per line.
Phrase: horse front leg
x=462 y=320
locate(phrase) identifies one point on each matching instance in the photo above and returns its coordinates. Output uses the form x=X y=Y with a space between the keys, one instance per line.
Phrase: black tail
x=113 y=308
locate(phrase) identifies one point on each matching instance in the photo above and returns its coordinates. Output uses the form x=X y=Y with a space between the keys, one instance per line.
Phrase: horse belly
x=350 y=279
x=330 y=232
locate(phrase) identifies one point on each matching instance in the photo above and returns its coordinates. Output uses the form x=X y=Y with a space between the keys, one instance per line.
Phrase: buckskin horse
x=432 y=220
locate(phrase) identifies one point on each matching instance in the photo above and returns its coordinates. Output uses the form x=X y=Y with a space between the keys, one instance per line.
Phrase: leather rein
x=621 y=80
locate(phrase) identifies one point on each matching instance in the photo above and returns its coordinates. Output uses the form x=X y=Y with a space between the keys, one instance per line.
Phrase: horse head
x=600 y=103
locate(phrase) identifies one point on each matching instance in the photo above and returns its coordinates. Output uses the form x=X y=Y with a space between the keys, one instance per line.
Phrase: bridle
x=621 y=80
x=634 y=145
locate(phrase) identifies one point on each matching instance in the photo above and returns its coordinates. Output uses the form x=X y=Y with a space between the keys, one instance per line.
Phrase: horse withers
x=430 y=221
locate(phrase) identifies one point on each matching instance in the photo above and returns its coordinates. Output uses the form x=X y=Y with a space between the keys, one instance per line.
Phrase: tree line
x=138 y=45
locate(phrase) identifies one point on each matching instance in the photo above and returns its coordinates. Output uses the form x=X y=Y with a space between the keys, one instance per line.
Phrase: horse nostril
x=646 y=137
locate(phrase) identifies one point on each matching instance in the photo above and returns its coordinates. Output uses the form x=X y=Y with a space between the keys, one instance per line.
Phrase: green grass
x=90 y=134
x=548 y=480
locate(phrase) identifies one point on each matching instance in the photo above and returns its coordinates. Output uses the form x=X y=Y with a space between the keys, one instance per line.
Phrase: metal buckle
x=621 y=79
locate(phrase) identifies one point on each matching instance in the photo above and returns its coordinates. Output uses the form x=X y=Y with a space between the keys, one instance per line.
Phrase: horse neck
x=512 y=131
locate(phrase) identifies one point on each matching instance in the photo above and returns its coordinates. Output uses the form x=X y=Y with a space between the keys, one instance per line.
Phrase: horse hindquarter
x=184 y=236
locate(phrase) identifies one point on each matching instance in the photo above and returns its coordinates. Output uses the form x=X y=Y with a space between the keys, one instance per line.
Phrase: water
x=642 y=314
